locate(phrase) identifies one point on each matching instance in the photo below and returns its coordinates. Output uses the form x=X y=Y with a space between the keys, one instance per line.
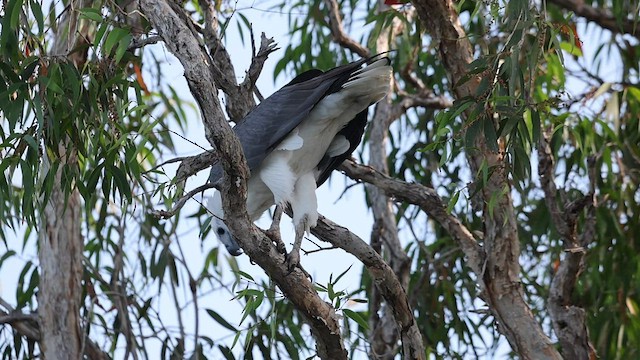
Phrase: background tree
x=501 y=173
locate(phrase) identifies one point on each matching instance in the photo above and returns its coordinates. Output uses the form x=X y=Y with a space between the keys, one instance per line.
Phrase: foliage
x=539 y=78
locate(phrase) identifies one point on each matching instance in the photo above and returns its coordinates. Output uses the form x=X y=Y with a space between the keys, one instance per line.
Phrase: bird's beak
x=236 y=251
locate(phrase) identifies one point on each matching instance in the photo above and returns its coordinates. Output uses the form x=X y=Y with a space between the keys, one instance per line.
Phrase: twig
x=165 y=214
x=267 y=46
x=139 y=43
x=426 y=100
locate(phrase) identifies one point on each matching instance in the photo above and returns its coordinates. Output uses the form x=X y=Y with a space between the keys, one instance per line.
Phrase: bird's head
x=214 y=204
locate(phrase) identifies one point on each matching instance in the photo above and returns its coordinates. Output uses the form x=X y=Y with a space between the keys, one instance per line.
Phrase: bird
x=296 y=137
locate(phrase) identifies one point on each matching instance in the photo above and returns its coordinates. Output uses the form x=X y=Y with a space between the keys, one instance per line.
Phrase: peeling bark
x=60 y=254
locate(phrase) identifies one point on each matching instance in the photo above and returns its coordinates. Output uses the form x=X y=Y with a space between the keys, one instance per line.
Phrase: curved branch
x=171 y=23
x=337 y=31
x=603 y=17
x=384 y=278
x=427 y=199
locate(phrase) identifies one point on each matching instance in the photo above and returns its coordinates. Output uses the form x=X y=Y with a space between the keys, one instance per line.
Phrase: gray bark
x=60 y=239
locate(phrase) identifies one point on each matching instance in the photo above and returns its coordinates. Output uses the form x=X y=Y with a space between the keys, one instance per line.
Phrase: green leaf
x=120 y=180
x=342 y=274
x=490 y=134
x=36 y=10
x=16 y=9
x=123 y=45
x=226 y=352
x=114 y=37
x=91 y=14
x=453 y=201
x=220 y=320
x=357 y=317
x=6 y=255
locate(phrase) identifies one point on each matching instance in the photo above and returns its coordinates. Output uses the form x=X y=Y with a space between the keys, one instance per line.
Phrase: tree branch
x=603 y=17
x=569 y=321
x=240 y=97
x=172 y=24
x=384 y=278
x=337 y=31
x=267 y=46
x=428 y=100
x=427 y=199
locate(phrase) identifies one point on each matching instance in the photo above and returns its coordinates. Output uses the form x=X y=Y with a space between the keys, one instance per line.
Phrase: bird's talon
x=282 y=249
x=292 y=260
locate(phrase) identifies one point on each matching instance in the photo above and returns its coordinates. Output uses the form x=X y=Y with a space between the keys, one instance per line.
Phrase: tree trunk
x=60 y=239
x=60 y=289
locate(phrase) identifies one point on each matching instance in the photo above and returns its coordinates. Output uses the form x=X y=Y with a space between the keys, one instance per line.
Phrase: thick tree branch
x=192 y=164
x=602 y=16
x=424 y=197
x=569 y=321
x=172 y=24
x=500 y=275
x=338 y=33
x=384 y=278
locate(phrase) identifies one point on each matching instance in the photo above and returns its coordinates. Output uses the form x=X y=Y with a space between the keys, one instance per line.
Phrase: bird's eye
x=220 y=231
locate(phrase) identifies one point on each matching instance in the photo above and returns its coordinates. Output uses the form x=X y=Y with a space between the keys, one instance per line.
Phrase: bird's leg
x=274 y=230
x=304 y=206
x=293 y=258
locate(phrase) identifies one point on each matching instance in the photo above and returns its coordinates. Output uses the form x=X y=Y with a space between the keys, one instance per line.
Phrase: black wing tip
x=380 y=56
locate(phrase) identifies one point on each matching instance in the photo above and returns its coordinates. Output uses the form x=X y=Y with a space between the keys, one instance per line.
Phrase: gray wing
x=276 y=116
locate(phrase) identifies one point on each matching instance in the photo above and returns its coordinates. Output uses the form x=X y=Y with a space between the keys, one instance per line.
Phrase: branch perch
x=172 y=24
